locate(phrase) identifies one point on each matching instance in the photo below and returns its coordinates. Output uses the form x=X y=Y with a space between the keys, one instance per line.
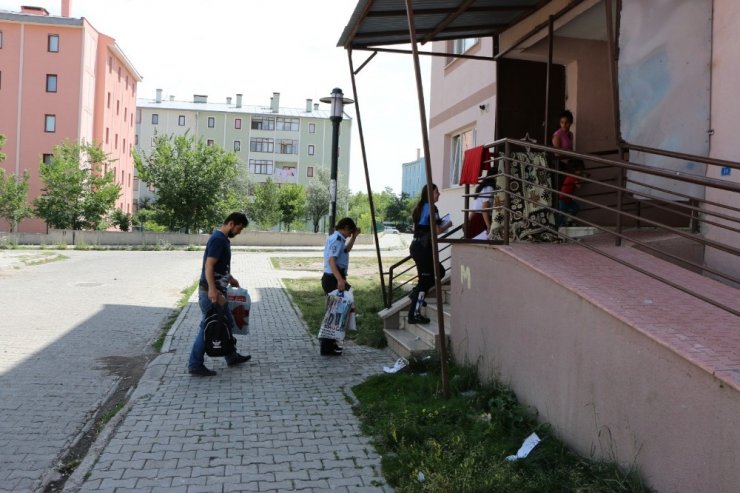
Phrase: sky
x=257 y=47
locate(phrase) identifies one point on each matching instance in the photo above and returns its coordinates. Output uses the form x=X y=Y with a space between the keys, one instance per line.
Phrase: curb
x=147 y=384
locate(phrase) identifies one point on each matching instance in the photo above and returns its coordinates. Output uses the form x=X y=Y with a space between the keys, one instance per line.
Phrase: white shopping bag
x=338 y=308
x=239 y=305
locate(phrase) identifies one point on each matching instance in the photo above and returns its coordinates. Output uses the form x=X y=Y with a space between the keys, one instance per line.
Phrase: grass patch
x=460 y=444
x=311 y=301
x=46 y=258
x=186 y=293
x=358 y=265
x=108 y=415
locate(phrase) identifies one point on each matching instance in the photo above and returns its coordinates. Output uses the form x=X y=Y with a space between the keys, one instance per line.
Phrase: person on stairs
x=426 y=222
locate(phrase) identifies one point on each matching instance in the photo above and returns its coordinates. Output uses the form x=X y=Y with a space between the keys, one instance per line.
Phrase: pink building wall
x=458 y=88
x=78 y=103
x=725 y=113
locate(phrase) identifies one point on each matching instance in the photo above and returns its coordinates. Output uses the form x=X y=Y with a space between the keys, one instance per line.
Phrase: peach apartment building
x=62 y=80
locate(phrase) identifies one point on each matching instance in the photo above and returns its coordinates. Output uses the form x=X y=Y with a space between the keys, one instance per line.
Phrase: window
x=311 y=150
x=237 y=145
x=107 y=134
x=312 y=128
x=460 y=46
x=136 y=139
x=127 y=82
x=209 y=142
x=237 y=123
x=125 y=114
x=460 y=143
x=211 y=122
x=261 y=144
x=1 y=41
x=263 y=123
x=53 y=43
x=118 y=106
x=50 y=123
x=181 y=120
x=116 y=142
x=138 y=116
x=260 y=166
x=155 y=119
x=110 y=64
x=46 y=158
x=119 y=74
x=108 y=104
x=287 y=146
x=309 y=171
x=290 y=124
x=51 y=83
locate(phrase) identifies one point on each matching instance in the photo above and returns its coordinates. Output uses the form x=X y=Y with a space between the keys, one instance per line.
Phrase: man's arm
x=341 y=283
x=351 y=242
x=213 y=293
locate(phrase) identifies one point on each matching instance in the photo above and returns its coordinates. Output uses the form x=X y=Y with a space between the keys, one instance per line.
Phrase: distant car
x=392 y=231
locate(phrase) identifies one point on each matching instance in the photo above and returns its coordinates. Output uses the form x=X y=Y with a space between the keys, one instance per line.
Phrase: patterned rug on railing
x=530 y=218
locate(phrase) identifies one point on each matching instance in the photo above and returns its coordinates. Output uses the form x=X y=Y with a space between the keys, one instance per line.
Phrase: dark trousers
x=424 y=260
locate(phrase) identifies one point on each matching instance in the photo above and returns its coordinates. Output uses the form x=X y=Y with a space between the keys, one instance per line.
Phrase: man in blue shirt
x=215 y=277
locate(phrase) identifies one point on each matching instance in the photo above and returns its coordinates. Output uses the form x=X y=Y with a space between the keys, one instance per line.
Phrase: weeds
x=185 y=295
x=460 y=444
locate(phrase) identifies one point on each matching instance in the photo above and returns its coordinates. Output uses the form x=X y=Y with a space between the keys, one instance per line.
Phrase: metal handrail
x=388 y=295
x=692 y=212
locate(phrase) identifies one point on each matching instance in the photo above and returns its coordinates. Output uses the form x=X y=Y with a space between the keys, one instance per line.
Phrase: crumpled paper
x=400 y=364
x=529 y=443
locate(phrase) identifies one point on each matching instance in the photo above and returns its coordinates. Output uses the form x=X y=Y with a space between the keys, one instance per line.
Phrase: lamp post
x=337 y=101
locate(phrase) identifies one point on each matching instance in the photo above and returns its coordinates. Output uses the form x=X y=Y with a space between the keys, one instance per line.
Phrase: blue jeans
x=573 y=209
x=198 y=352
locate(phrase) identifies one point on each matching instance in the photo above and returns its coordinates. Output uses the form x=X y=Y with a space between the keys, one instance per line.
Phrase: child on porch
x=567 y=205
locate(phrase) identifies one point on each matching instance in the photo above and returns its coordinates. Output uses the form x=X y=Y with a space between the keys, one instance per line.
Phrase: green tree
x=292 y=203
x=317 y=199
x=121 y=220
x=195 y=182
x=14 y=206
x=265 y=206
x=79 y=191
x=397 y=210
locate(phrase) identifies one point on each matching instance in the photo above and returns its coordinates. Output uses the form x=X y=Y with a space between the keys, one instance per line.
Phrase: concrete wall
x=608 y=390
x=725 y=112
x=114 y=238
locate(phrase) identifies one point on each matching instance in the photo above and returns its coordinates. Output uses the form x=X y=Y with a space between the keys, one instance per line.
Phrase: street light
x=337 y=101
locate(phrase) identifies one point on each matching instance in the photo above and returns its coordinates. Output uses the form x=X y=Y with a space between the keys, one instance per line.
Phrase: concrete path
x=282 y=422
x=64 y=329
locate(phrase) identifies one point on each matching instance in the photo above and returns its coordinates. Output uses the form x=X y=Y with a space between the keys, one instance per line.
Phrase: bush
x=121 y=220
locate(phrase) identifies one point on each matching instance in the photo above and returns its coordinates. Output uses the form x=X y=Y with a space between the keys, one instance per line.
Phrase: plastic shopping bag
x=338 y=308
x=239 y=304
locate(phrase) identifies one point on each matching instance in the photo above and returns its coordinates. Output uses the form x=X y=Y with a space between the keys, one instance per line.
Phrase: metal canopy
x=385 y=22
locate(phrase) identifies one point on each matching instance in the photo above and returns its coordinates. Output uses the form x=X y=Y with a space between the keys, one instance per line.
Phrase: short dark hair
x=567 y=114
x=346 y=222
x=237 y=218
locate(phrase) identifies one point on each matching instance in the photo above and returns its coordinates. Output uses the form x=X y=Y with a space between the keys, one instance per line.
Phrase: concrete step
x=405 y=344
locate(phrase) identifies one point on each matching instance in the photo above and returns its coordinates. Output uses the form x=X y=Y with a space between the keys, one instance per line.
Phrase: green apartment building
x=288 y=145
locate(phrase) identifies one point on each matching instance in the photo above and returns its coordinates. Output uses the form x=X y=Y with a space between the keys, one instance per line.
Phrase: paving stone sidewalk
x=282 y=422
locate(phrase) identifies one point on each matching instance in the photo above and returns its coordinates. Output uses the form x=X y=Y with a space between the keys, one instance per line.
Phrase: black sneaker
x=238 y=360
x=202 y=371
x=418 y=319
